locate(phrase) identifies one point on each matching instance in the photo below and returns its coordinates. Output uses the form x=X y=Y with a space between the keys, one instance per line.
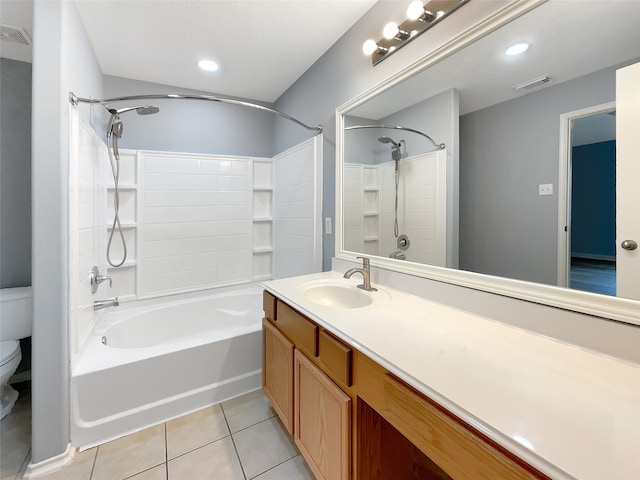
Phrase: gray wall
x=62 y=62
x=190 y=125
x=15 y=173
x=506 y=151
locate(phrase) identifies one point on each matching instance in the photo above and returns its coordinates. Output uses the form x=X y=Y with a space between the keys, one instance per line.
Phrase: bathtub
x=151 y=361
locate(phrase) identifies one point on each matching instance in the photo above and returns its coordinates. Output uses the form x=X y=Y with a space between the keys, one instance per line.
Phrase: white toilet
x=15 y=323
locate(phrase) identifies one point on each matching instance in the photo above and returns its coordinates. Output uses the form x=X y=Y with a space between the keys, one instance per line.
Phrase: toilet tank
x=15 y=313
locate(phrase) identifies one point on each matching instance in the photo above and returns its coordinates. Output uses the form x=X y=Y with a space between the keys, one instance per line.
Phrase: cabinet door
x=323 y=421
x=277 y=373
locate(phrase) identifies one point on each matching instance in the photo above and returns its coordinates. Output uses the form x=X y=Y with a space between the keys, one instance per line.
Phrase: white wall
x=62 y=61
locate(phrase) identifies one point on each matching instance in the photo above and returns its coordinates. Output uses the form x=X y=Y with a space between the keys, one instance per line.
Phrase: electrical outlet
x=545 y=189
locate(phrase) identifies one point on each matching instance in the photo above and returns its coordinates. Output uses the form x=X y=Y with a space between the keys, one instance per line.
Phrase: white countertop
x=569 y=412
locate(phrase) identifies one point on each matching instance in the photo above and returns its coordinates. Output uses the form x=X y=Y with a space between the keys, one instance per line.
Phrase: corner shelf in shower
x=262 y=250
x=123 y=187
x=262 y=219
x=125 y=226
x=370 y=239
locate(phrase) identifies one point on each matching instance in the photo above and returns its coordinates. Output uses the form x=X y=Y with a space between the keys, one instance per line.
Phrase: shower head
x=140 y=110
x=388 y=140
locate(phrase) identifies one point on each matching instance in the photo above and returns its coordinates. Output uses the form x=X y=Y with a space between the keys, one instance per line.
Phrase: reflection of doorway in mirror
x=589 y=241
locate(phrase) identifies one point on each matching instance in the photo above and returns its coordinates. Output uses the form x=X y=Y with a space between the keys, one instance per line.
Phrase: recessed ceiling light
x=517 y=49
x=208 y=65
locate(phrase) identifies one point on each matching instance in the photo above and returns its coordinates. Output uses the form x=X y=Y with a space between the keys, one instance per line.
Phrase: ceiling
x=262 y=46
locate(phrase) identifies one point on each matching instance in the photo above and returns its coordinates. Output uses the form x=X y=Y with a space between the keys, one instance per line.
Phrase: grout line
x=257 y=423
x=166 y=451
x=93 y=464
x=224 y=415
x=145 y=470
x=275 y=466
x=198 y=448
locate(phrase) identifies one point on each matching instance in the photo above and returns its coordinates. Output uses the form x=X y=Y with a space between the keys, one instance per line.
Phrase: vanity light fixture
x=208 y=65
x=419 y=19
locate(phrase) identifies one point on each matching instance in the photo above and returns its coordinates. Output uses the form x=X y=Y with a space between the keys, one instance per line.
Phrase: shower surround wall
x=191 y=221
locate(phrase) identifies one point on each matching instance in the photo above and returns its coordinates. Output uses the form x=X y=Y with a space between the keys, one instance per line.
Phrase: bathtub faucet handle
x=97 y=279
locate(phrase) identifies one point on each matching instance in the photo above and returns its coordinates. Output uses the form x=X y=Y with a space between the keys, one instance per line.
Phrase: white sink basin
x=338 y=296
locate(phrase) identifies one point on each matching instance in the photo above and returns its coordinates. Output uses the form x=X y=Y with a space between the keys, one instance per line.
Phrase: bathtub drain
x=104 y=340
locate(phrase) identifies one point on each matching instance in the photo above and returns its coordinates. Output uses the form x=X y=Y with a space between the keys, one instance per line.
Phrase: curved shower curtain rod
x=75 y=100
x=439 y=146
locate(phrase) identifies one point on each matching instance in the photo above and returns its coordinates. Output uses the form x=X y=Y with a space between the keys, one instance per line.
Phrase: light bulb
x=390 y=30
x=415 y=10
x=208 y=65
x=517 y=49
x=369 y=47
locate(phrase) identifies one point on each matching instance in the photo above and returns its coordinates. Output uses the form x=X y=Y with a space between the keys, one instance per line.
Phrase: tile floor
x=240 y=439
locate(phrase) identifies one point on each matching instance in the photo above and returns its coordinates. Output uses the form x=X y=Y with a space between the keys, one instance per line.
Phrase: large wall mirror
x=522 y=198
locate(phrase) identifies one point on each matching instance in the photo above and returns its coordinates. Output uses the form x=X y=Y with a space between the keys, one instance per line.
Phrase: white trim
x=564 y=187
x=615 y=308
x=50 y=465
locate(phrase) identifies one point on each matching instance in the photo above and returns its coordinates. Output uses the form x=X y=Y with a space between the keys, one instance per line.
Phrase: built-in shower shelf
x=127 y=264
x=371 y=214
x=371 y=189
x=371 y=239
x=262 y=219
x=262 y=250
x=123 y=187
x=125 y=226
x=263 y=188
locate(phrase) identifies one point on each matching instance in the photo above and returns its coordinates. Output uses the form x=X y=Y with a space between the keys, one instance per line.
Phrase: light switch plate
x=328 y=230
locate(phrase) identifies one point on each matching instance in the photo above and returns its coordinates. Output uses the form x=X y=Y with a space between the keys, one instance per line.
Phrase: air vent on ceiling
x=9 y=33
x=534 y=82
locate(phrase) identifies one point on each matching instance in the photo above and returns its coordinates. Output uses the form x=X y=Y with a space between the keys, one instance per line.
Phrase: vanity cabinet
x=352 y=418
x=322 y=421
x=305 y=369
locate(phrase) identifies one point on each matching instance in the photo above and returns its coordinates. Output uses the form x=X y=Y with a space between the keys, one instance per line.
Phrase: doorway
x=587 y=228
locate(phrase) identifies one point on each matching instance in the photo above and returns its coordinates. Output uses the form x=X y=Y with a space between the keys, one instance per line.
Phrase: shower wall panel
x=195 y=228
x=87 y=241
x=297 y=209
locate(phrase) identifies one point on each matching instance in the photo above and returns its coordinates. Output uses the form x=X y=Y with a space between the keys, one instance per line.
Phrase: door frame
x=564 y=187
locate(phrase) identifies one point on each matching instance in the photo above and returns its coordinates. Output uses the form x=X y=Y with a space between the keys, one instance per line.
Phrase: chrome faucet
x=108 y=302
x=96 y=279
x=366 y=275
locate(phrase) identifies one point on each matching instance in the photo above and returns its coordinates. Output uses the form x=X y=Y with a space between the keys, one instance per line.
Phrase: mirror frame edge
x=610 y=308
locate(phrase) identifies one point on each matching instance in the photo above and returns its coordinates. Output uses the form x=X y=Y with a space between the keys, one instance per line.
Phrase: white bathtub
x=153 y=361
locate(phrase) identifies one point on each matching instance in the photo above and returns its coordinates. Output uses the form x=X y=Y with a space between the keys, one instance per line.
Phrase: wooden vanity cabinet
x=277 y=373
x=352 y=418
x=298 y=378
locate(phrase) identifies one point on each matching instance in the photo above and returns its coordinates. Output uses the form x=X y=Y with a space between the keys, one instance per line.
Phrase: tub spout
x=109 y=302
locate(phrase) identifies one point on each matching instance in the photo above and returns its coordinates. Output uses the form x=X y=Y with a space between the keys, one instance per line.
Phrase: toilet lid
x=8 y=351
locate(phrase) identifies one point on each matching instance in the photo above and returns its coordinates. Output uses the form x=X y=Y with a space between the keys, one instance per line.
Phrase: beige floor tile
x=215 y=461
x=263 y=446
x=195 y=430
x=294 y=469
x=130 y=455
x=79 y=469
x=156 y=473
x=247 y=410
x=15 y=439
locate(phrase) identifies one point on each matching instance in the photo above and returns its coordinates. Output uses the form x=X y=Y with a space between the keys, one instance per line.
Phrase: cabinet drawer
x=336 y=357
x=299 y=329
x=269 y=303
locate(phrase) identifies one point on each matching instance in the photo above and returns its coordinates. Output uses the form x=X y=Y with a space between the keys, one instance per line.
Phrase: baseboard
x=50 y=465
